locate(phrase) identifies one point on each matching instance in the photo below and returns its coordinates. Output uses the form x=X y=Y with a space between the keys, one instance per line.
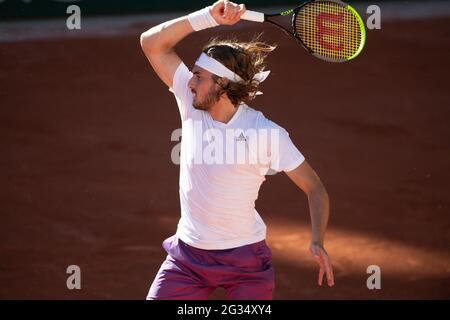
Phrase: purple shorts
x=188 y=273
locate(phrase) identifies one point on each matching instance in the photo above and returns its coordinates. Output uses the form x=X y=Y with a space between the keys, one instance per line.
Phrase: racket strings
x=329 y=29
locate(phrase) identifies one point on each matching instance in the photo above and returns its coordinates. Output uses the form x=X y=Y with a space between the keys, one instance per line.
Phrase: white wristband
x=202 y=19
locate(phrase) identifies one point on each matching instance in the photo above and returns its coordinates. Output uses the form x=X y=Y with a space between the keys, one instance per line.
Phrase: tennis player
x=227 y=148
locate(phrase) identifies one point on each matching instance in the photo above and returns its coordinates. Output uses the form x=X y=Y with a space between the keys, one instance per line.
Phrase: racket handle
x=253 y=16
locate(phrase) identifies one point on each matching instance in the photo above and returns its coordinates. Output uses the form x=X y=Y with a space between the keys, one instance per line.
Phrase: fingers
x=324 y=262
x=321 y=273
x=242 y=9
x=226 y=10
x=321 y=266
x=329 y=272
x=231 y=12
x=235 y=14
x=322 y=269
x=325 y=267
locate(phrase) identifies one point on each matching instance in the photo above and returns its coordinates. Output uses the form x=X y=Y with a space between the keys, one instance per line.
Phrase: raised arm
x=158 y=42
x=319 y=206
x=158 y=45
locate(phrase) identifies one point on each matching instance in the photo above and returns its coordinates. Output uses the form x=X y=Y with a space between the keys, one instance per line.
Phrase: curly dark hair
x=243 y=58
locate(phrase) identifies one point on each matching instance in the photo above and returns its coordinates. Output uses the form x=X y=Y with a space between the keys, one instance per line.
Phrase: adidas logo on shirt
x=241 y=137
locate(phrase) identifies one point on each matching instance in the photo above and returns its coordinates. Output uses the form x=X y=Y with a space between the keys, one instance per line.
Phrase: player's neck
x=223 y=110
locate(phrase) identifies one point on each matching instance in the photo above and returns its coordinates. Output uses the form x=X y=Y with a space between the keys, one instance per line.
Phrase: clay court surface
x=87 y=177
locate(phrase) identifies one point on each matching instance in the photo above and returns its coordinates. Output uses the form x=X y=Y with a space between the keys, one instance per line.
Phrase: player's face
x=205 y=89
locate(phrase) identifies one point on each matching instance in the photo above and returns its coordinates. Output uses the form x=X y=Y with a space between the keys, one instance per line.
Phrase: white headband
x=215 y=67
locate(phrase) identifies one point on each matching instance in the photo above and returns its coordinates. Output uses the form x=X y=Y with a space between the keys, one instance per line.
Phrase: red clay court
x=87 y=177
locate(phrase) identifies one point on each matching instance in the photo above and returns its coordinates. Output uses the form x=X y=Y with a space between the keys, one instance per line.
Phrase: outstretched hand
x=322 y=258
x=227 y=13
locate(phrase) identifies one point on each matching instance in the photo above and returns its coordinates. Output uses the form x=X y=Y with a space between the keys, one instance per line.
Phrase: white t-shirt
x=222 y=166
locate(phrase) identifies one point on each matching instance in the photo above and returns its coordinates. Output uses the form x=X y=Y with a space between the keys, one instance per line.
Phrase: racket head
x=331 y=30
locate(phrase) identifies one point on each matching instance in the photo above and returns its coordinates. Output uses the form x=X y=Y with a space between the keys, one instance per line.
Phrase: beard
x=211 y=97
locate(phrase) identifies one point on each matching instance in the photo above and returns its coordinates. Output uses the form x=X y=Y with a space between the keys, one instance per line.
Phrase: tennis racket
x=330 y=30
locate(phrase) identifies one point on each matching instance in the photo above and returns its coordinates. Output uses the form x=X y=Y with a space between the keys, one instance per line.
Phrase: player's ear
x=223 y=82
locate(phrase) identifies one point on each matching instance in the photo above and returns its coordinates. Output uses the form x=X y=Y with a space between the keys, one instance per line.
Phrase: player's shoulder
x=257 y=120
x=262 y=122
x=253 y=115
